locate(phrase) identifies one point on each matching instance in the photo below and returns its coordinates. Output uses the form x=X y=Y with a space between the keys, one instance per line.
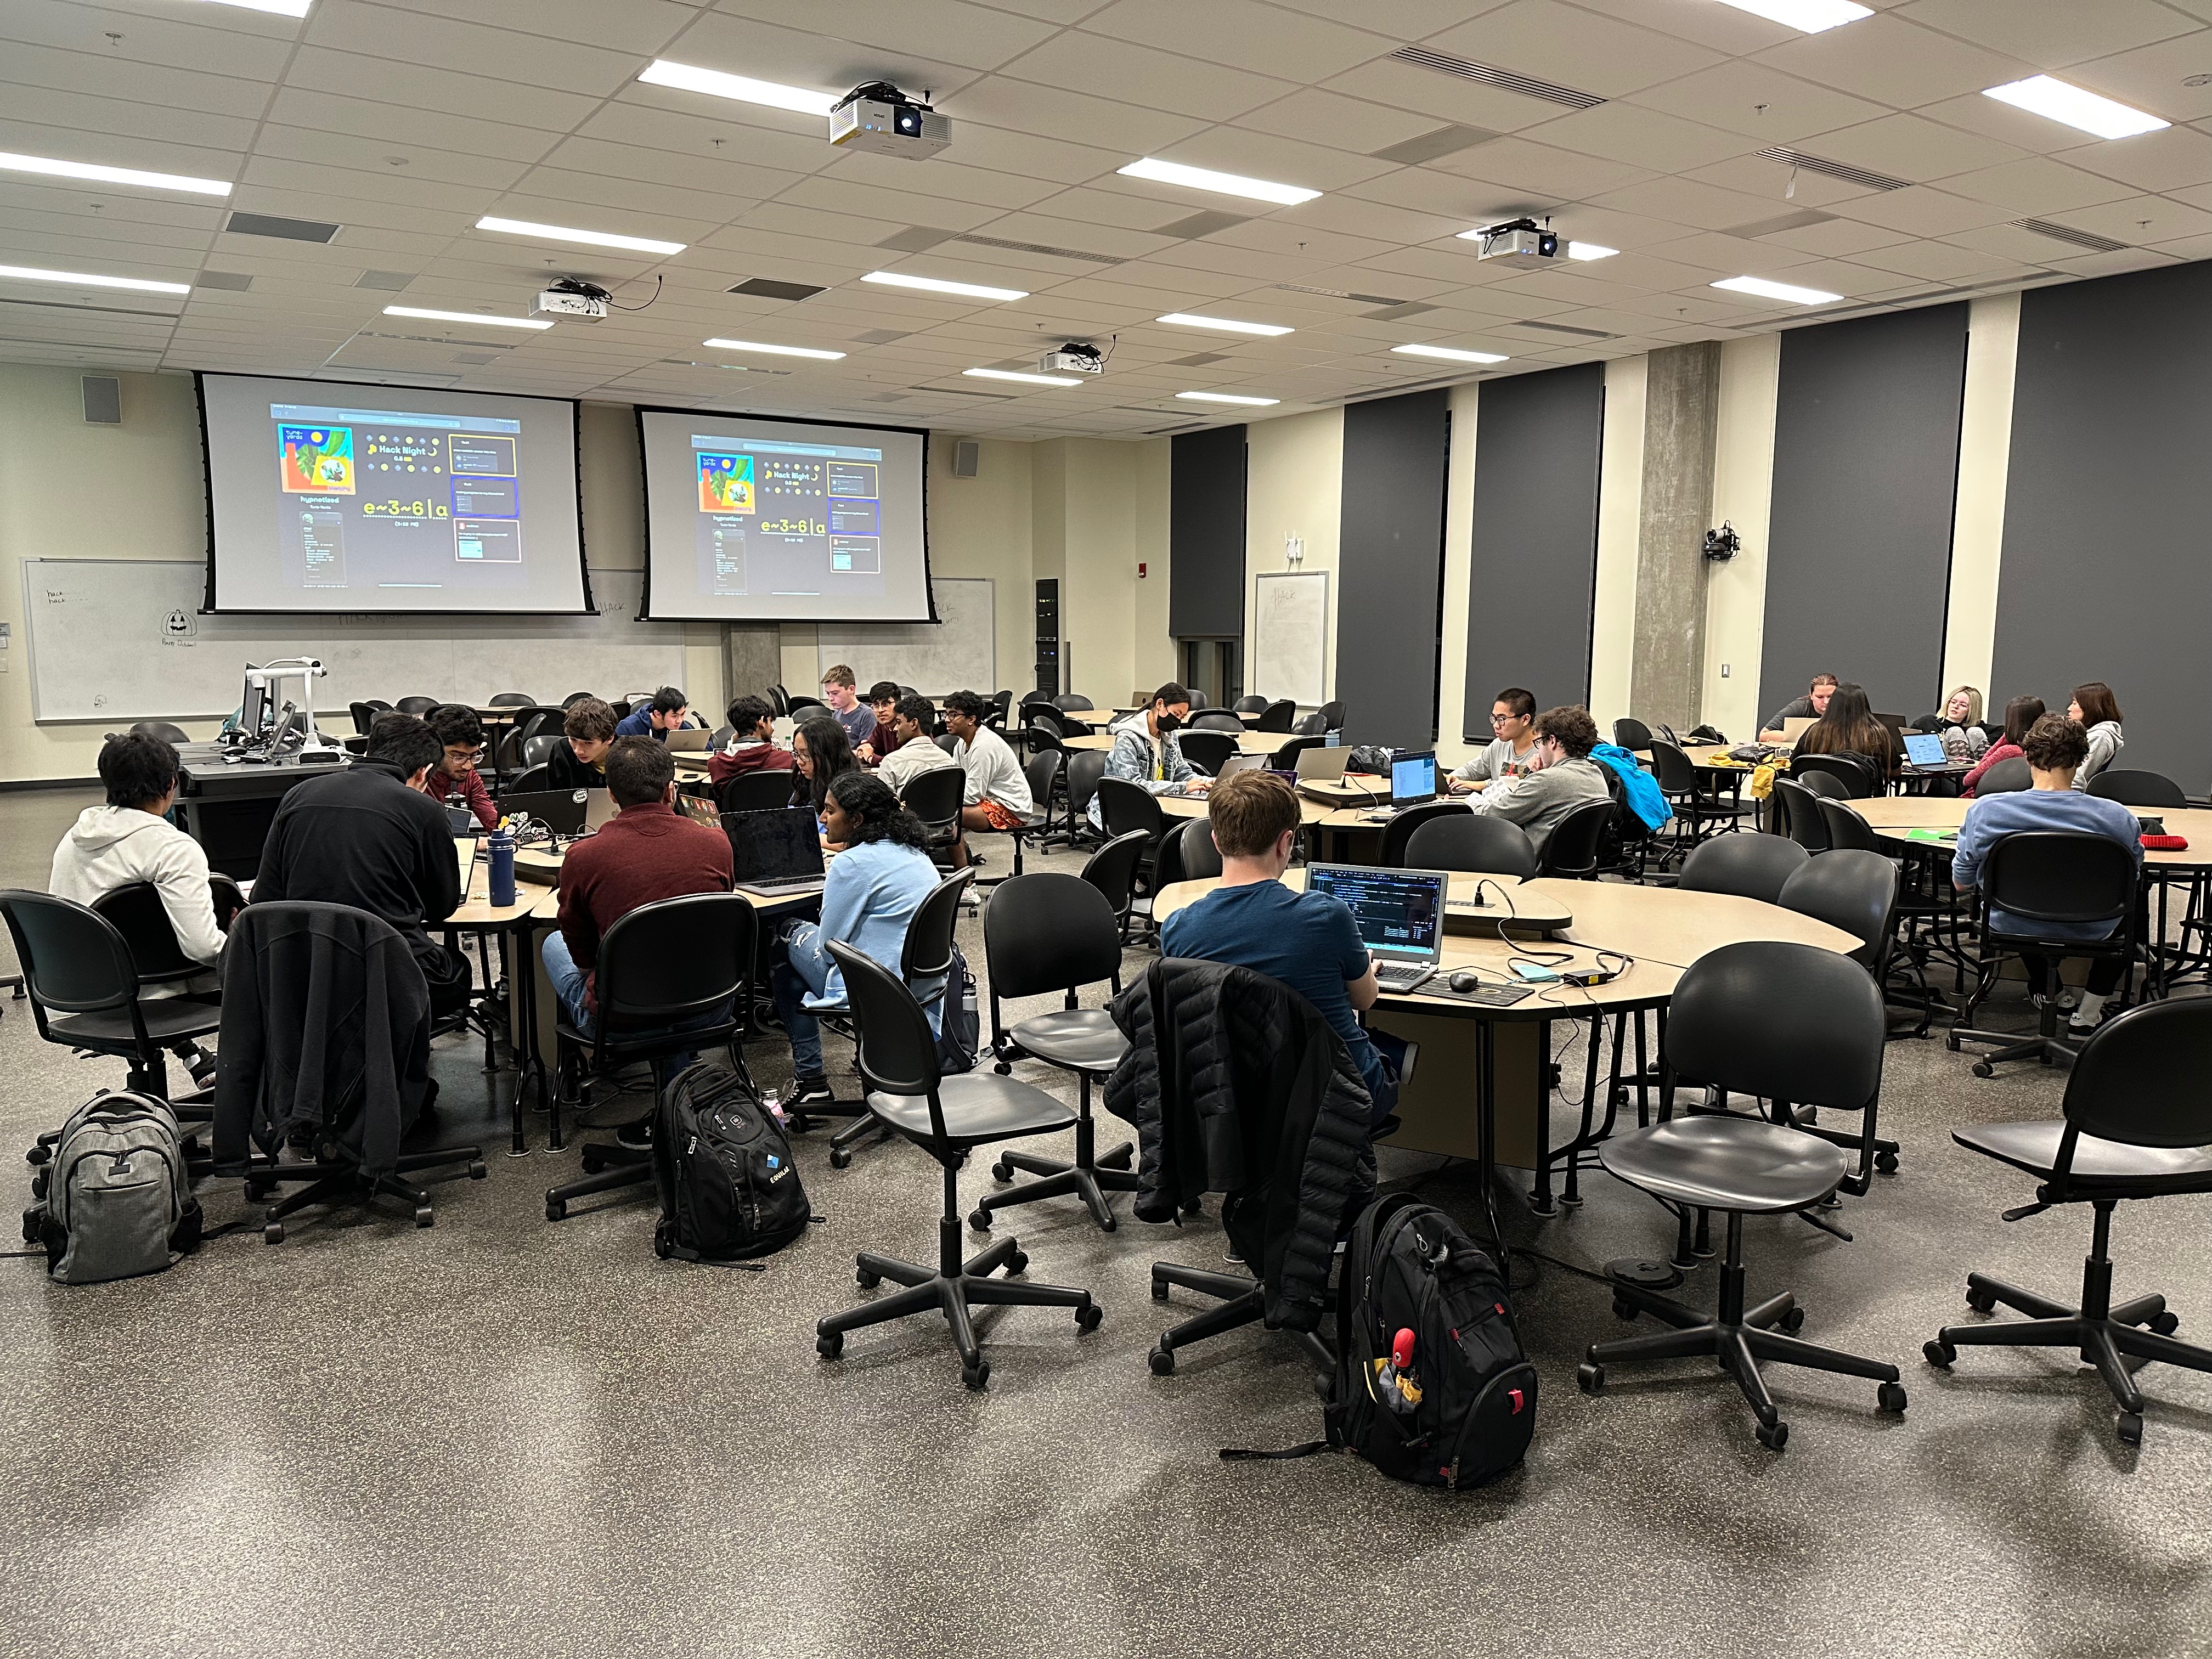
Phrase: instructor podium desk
x=228 y=807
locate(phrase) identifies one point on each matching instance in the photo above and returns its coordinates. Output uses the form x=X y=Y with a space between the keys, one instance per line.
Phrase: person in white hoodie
x=2099 y=711
x=129 y=840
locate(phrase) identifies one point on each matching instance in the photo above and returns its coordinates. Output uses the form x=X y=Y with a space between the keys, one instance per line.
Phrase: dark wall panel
x=1389 y=564
x=1206 y=534
x=2106 y=499
x=1866 y=474
x=1534 y=564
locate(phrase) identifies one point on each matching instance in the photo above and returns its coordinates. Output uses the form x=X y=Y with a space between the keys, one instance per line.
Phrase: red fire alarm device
x=1140 y=572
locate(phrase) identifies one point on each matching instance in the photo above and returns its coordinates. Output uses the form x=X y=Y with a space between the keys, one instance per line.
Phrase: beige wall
x=1459 y=557
x=1619 y=526
x=1743 y=485
x=1970 y=620
x=1294 y=487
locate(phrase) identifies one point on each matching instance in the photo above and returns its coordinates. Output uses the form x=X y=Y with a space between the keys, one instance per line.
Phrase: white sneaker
x=2086 y=1019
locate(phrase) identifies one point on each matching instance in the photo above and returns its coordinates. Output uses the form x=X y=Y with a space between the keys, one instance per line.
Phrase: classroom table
x=1248 y=743
x=477 y=915
x=1193 y=806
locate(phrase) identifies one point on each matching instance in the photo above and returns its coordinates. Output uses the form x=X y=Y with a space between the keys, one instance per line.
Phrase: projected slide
x=767 y=519
x=337 y=497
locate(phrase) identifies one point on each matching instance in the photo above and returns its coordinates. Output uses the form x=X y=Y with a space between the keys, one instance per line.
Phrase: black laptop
x=561 y=811
x=776 y=854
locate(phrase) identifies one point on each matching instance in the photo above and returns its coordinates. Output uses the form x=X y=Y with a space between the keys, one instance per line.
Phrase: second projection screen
x=759 y=521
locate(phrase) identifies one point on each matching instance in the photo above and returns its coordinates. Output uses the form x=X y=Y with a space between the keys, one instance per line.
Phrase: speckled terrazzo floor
x=502 y=1437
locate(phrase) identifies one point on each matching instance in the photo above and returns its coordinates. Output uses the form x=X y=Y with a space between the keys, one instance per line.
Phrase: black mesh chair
x=756 y=791
x=1575 y=851
x=1398 y=831
x=2152 y=789
x=2062 y=879
x=1276 y=716
x=2006 y=776
x=1207 y=749
x=2136 y=1123
x=1632 y=734
x=1858 y=783
x=1217 y=720
x=934 y=796
x=1113 y=871
x=947 y=1117
x=1792 y=1023
x=1799 y=810
x=926 y=954
x=1749 y=866
x=1041 y=934
x=1248 y=705
x=511 y=700
x=1855 y=893
x=672 y=961
x=1471 y=842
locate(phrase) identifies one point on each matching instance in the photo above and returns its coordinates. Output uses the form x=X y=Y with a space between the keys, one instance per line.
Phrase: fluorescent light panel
x=136 y=284
x=939 y=285
x=47 y=164
x=1026 y=380
x=1226 y=324
x=1449 y=354
x=1221 y=184
x=465 y=317
x=281 y=7
x=2041 y=95
x=1224 y=398
x=1591 y=251
x=744 y=89
x=1811 y=17
x=1767 y=290
x=772 y=350
x=587 y=238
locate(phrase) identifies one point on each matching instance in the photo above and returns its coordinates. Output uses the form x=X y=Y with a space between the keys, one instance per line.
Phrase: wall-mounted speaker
x=967 y=458
x=103 y=400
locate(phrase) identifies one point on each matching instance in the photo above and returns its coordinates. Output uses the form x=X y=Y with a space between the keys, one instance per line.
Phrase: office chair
x=1002 y=707
x=1797 y=1025
x=163 y=730
x=1698 y=807
x=947 y=1117
x=756 y=791
x=1332 y=715
x=573 y=698
x=1042 y=771
x=1286 y=758
x=364 y=716
x=1216 y=719
x=1846 y=829
x=1044 y=933
x=1199 y=702
x=1855 y=893
x=1249 y=705
x=1276 y=716
x=1471 y=842
x=2152 y=789
x=1196 y=853
x=2135 y=1123
x=1207 y=749
x=1312 y=726
x=926 y=954
x=1857 y=782
x=1749 y=866
x=1124 y=807
x=1085 y=768
x=801 y=702
x=530 y=781
x=1398 y=831
x=513 y=700
x=1073 y=703
x=1113 y=871
x=1632 y=734
x=2006 y=776
x=1929 y=722
x=417 y=706
x=2065 y=877
x=538 y=750
x=1800 y=811
x=672 y=961
x=539 y=722
x=935 y=797
x=945 y=741
x=1575 y=851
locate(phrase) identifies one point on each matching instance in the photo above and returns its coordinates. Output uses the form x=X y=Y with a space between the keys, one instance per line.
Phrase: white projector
x=1073 y=359
x=1520 y=243
x=893 y=126
x=566 y=302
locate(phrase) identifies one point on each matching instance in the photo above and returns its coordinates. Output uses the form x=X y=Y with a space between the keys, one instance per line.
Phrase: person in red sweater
x=883 y=697
x=2020 y=713
x=645 y=852
x=462 y=734
x=751 y=747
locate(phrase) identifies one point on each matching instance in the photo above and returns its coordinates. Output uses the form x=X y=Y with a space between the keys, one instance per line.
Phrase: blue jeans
x=569 y=985
x=1382 y=1080
x=801 y=968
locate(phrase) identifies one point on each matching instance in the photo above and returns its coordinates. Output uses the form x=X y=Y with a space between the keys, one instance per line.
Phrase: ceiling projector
x=573 y=298
x=1518 y=242
x=1076 y=357
x=882 y=120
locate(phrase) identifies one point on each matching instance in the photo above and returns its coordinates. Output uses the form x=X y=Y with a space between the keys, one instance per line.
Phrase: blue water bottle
x=503 y=867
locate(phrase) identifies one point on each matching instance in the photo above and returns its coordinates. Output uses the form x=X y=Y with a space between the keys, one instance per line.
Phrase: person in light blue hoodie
x=875 y=885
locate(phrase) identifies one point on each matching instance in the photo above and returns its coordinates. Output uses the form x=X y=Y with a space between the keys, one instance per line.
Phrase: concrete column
x=1681 y=425
x=755 y=659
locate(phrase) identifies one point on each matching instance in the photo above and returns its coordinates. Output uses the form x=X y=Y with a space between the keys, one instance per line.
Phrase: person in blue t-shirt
x=2055 y=747
x=668 y=711
x=1307 y=940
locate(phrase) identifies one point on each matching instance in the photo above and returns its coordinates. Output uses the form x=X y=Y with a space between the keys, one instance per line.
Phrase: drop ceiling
x=1700 y=141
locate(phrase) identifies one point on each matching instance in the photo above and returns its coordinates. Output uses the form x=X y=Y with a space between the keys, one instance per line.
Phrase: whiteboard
x=1289 y=637
x=958 y=653
x=123 y=640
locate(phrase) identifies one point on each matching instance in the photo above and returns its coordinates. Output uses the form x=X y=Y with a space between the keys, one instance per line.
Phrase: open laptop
x=777 y=852
x=699 y=810
x=561 y=811
x=1321 y=765
x=1399 y=913
x=1237 y=763
x=1794 y=727
x=1925 y=749
x=689 y=740
x=1413 y=780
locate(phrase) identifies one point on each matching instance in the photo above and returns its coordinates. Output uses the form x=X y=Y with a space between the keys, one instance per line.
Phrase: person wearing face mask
x=1147 y=752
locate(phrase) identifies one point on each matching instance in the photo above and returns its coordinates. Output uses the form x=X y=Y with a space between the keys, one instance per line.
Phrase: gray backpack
x=118 y=1200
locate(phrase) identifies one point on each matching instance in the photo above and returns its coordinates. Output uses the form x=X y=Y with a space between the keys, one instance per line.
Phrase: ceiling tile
x=1643 y=138
x=635 y=26
x=1447 y=97
x=1024 y=107
x=1759 y=101
x=2050 y=33
x=1894 y=62
x=2036 y=185
x=1573 y=48
x=423 y=85
x=1144 y=77
x=1526 y=170
x=1244 y=34
x=2156 y=77
x=1922 y=211
x=532 y=59
x=2175 y=159
x=951 y=31
x=1910 y=147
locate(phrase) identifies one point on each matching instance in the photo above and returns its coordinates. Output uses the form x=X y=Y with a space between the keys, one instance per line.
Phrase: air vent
x=1842 y=170
x=1338 y=294
x=1775 y=227
x=2087 y=239
x=915 y=239
x=231 y=282
x=385 y=282
x=1049 y=251
x=1202 y=224
x=1444 y=141
x=1397 y=313
x=476 y=356
x=289 y=230
x=1200 y=360
x=763 y=287
x=1566 y=328
x=882 y=336
x=1503 y=79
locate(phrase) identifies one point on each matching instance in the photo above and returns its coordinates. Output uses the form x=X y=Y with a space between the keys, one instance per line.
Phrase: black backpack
x=959 y=1031
x=1409 y=1267
x=728 y=1188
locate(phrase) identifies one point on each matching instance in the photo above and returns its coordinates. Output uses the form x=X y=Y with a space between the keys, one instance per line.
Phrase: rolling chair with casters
x=2135 y=1123
x=540 y=722
x=506 y=759
x=1313 y=726
x=675 y=959
x=1042 y=772
x=1113 y=871
x=1125 y=806
x=1799 y=1025
x=2157 y=793
x=1286 y=758
x=1332 y=715
x=779 y=701
x=1277 y=716
x=2006 y=776
x=1044 y=933
x=137 y=913
x=1207 y=750
x=1217 y=720
x=1702 y=811
x=802 y=704
x=1200 y=858
x=1800 y=811
x=1576 y=850
x=1250 y=705
x=1631 y=734
x=513 y=700
x=1826 y=785
x=927 y=954
x=2067 y=878
x=1470 y=841
x=756 y=791
x=538 y=750
x=1398 y=832
x=417 y=706
x=1073 y=703
x=947 y=1117
x=1085 y=767
x=1749 y=866
x=935 y=798
x=1855 y=893
x=364 y=716
x=530 y=781
x=162 y=729
x=1858 y=783
x=573 y=698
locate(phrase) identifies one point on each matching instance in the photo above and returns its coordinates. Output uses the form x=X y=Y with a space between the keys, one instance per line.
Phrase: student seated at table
x=998 y=794
x=369 y=837
x=823 y=756
x=751 y=747
x=1512 y=743
x=579 y=761
x=647 y=851
x=2020 y=713
x=1307 y=940
x=1148 y=753
x=1961 y=728
x=912 y=721
x=2098 y=712
x=882 y=699
x=1811 y=705
x=1848 y=727
x=455 y=774
x=845 y=708
x=670 y=710
x=130 y=839
x=874 y=887
x=1561 y=776
x=2055 y=747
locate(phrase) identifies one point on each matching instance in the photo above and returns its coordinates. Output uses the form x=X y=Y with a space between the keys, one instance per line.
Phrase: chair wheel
x=1159 y=1290
x=556 y=1210
x=866 y=1279
x=980 y=1219
x=476 y=1170
x=831 y=1343
x=38 y=1155
x=1791 y=1322
x=664 y=1245
x=1162 y=1360
x=977 y=1375
x=1982 y=1068
x=1886 y=1162
x=1018 y=1262
x=273 y=1233
x=1589 y=1378
x=1891 y=1398
x=841 y=1158
x=1090 y=1318
x=1980 y=1300
x=592 y=1161
x=424 y=1215
x=1938 y=1354
x=1775 y=1437
x=1002 y=1170
x=255 y=1192
x=2129 y=1426
x=2166 y=1323
x=1624 y=1310
x=1002 y=1067
x=39 y=1183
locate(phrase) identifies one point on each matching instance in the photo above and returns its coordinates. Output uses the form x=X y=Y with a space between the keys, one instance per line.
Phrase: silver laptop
x=1237 y=763
x=689 y=740
x=1399 y=914
x=1321 y=765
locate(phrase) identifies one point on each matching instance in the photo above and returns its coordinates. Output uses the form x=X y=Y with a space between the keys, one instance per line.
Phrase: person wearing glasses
x=1512 y=750
x=455 y=779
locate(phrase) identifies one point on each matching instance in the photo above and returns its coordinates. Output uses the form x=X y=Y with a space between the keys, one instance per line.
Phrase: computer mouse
x=1465 y=981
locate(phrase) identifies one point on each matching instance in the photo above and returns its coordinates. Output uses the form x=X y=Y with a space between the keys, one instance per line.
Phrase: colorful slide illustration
x=317 y=459
x=726 y=483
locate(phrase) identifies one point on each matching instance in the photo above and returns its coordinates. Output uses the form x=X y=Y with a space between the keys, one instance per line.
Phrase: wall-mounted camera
x=1722 y=545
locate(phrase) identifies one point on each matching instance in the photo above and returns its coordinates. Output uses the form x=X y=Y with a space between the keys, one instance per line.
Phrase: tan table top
x=1894 y=817
x=477 y=909
x=1193 y=806
x=1249 y=743
x=537 y=872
